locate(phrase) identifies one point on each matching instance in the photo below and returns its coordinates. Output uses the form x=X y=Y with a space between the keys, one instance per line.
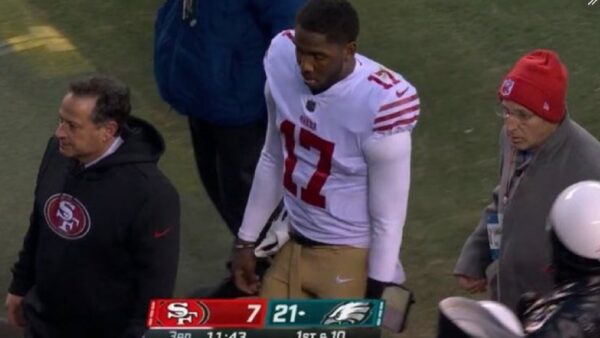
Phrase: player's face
x=78 y=136
x=322 y=63
x=525 y=129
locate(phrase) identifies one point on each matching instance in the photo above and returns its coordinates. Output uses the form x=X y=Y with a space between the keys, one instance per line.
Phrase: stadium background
x=455 y=53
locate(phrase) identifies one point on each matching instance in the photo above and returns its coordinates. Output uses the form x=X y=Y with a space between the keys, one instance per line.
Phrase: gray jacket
x=570 y=155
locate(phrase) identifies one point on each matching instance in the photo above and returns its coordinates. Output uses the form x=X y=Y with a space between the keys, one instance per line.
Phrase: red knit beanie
x=538 y=82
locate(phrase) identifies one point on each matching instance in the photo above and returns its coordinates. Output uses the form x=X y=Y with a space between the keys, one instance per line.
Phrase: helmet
x=461 y=317
x=574 y=224
x=575 y=219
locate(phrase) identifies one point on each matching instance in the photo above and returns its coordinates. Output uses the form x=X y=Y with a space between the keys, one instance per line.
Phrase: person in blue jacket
x=208 y=67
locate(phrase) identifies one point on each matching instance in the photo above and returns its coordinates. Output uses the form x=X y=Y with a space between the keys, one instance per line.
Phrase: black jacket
x=102 y=241
x=572 y=310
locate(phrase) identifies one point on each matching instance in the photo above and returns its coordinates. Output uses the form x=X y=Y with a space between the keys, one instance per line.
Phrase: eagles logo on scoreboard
x=349 y=313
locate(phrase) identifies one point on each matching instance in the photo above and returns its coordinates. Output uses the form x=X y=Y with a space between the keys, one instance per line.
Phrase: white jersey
x=324 y=149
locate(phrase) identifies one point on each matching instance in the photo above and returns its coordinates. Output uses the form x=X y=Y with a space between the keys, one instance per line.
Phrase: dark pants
x=42 y=322
x=226 y=158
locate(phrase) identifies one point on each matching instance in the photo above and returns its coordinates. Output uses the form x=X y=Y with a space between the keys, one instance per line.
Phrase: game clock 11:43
x=231 y=334
x=209 y=334
x=282 y=333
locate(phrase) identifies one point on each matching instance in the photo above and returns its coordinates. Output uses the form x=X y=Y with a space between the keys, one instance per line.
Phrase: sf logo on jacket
x=67 y=216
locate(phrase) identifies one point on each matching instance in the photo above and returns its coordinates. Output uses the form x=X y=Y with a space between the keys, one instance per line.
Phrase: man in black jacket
x=104 y=232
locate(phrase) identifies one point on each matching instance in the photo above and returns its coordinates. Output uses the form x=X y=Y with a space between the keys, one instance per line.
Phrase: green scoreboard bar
x=324 y=313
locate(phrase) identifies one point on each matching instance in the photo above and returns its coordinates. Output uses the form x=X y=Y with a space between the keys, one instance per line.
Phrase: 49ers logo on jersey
x=66 y=216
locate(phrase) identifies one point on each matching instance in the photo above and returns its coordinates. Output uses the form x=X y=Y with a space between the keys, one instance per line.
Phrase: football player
x=338 y=151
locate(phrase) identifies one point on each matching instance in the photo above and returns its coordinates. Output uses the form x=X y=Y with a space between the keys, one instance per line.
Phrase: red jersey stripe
x=399 y=102
x=397 y=123
x=398 y=113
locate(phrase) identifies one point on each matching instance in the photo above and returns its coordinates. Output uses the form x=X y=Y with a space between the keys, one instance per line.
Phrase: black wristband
x=375 y=288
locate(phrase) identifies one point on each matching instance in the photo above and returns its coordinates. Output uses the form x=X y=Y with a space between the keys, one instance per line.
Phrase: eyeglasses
x=520 y=115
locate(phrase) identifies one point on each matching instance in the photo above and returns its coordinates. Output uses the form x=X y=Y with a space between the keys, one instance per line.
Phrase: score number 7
x=255 y=308
x=312 y=193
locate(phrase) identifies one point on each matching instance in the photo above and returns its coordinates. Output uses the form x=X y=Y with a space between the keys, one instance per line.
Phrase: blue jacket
x=209 y=65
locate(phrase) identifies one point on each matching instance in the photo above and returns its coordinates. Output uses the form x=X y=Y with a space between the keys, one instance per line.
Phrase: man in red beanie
x=543 y=152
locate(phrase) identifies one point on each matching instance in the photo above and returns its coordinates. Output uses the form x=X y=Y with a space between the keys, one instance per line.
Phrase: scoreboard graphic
x=258 y=317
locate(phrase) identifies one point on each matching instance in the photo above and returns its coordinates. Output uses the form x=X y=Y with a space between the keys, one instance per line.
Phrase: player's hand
x=243 y=269
x=14 y=306
x=471 y=284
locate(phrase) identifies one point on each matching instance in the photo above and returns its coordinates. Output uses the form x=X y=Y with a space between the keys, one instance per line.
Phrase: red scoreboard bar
x=207 y=313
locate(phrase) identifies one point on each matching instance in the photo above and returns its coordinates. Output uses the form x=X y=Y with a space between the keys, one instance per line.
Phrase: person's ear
x=110 y=129
x=350 y=50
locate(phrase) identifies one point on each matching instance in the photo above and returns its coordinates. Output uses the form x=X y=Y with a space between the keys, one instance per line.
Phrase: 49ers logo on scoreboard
x=67 y=216
x=174 y=313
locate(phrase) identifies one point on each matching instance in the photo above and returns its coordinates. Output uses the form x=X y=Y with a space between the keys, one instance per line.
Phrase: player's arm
x=155 y=248
x=265 y=195
x=387 y=152
x=267 y=188
x=388 y=159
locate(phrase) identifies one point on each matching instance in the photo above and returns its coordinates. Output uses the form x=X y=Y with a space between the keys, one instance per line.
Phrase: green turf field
x=455 y=53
